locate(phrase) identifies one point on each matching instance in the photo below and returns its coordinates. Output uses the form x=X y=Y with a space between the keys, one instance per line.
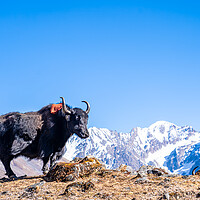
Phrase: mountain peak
x=162 y=123
x=152 y=145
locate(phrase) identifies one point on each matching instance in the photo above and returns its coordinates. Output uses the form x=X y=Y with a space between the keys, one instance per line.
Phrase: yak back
x=32 y=134
x=17 y=131
x=47 y=118
x=24 y=122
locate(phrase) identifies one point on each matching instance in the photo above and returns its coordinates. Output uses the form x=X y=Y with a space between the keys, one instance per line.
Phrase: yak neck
x=62 y=132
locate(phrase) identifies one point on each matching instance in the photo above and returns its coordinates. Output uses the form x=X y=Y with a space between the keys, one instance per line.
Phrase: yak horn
x=193 y=171
x=64 y=107
x=88 y=107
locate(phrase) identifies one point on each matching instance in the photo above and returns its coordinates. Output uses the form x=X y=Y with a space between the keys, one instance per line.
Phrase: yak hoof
x=45 y=172
x=53 y=166
x=12 y=177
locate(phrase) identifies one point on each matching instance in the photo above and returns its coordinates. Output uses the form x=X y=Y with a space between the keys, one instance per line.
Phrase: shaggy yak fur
x=40 y=134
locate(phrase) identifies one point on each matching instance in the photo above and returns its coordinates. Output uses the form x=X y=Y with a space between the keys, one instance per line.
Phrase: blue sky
x=136 y=62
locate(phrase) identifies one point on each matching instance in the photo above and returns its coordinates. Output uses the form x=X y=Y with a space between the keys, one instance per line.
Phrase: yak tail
x=193 y=171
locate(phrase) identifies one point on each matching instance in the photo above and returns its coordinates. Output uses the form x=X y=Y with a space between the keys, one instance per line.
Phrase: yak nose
x=86 y=134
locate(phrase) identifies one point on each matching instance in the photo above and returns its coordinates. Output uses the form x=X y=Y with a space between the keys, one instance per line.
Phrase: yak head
x=76 y=119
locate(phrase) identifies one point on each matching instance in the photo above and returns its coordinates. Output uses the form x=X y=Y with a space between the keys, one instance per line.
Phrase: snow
x=159 y=156
x=150 y=144
x=185 y=169
x=71 y=149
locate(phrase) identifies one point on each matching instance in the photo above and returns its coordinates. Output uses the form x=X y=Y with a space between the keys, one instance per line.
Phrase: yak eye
x=77 y=117
x=76 y=127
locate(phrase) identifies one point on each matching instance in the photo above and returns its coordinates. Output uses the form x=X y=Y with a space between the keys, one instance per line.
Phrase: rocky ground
x=89 y=179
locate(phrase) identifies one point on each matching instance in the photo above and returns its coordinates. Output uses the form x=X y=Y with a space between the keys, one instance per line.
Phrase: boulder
x=126 y=169
x=71 y=171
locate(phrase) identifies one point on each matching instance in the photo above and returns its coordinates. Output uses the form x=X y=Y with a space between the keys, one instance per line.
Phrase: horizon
x=135 y=62
x=160 y=121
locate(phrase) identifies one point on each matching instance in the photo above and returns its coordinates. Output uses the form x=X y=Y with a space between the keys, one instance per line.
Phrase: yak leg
x=56 y=156
x=45 y=165
x=52 y=160
x=9 y=172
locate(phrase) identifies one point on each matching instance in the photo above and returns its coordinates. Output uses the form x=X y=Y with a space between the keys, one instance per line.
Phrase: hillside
x=98 y=182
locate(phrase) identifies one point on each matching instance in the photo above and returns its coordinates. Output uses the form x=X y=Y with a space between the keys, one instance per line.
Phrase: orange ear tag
x=55 y=108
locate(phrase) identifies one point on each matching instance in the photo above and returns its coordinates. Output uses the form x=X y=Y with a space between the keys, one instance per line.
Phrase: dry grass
x=103 y=184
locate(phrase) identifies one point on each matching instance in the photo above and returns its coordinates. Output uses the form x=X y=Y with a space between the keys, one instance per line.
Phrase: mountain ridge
x=141 y=146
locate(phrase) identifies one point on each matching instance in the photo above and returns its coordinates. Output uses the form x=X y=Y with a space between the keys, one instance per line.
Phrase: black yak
x=40 y=134
x=195 y=173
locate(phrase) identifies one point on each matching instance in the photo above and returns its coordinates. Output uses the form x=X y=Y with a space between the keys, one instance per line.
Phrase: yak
x=195 y=173
x=41 y=135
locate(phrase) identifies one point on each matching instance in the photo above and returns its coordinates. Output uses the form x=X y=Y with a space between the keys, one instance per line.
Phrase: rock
x=142 y=172
x=69 y=177
x=143 y=169
x=80 y=186
x=103 y=195
x=185 y=177
x=35 y=187
x=166 y=196
x=104 y=172
x=122 y=168
x=157 y=171
x=198 y=195
x=172 y=175
x=95 y=180
x=167 y=180
x=29 y=191
x=161 y=183
x=88 y=185
x=4 y=192
x=77 y=159
x=175 y=195
x=126 y=169
x=130 y=170
x=142 y=180
x=141 y=175
x=72 y=171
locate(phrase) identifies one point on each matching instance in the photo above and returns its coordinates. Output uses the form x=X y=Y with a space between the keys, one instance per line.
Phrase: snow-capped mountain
x=163 y=144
